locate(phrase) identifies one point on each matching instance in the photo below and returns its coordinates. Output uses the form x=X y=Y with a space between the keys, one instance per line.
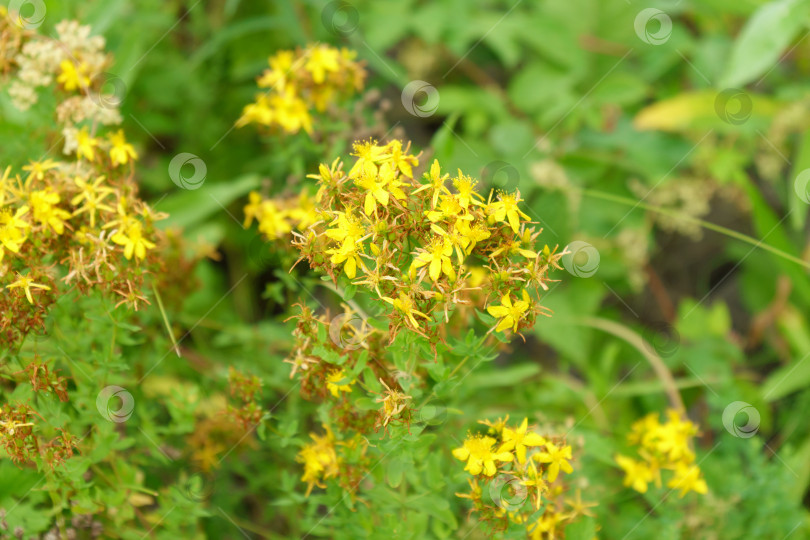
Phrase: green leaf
x=763 y=38
x=394 y=471
x=798 y=208
x=504 y=377
x=689 y=111
x=187 y=208
x=583 y=528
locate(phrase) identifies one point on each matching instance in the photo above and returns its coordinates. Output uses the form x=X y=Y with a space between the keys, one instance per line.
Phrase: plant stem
x=705 y=224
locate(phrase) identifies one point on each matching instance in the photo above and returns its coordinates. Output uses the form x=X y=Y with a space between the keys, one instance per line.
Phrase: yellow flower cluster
x=418 y=245
x=301 y=81
x=522 y=472
x=78 y=220
x=666 y=446
x=323 y=460
x=277 y=217
x=320 y=460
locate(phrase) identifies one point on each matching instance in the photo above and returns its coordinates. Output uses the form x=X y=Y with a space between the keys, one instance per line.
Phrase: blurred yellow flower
x=333 y=381
x=557 y=458
x=72 y=77
x=26 y=283
x=133 y=241
x=121 y=152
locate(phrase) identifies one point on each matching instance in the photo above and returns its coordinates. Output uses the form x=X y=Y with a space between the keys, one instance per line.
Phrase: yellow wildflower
x=12 y=230
x=333 y=381
x=375 y=191
x=280 y=66
x=85 y=145
x=322 y=59
x=437 y=255
x=477 y=452
x=320 y=460
x=26 y=283
x=37 y=169
x=470 y=235
x=93 y=195
x=506 y=209
x=306 y=213
x=394 y=403
x=465 y=186
x=535 y=480
x=510 y=313
x=400 y=159
x=406 y=305
x=290 y=112
x=273 y=221
x=121 y=152
x=546 y=526
x=347 y=255
x=349 y=229
x=436 y=181
x=688 y=478
x=45 y=211
x=517 y=440
x=368 y=155
x=637 y=473
x=133 y=241
x=496 y=427
x=71 y=77
x=557 y=458
x=258 y=112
